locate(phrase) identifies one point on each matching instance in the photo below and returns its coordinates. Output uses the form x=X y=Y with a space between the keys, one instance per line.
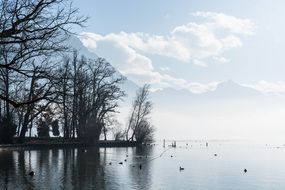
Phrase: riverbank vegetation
x=47 y=85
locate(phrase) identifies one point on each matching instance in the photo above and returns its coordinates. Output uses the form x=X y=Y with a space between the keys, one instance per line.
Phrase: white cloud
x=199 y=63
x=276 y=88
x=165 y=68
x=231 y=23
x=192 y=42
x=200 y=88
x=138 y=67
x=221 y=59
x=231 y=41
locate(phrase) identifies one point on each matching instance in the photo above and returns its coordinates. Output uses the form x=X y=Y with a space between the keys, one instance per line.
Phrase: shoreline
x=50 y=144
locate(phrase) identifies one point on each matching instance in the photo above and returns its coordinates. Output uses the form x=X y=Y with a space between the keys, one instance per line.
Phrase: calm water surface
x=76 y=169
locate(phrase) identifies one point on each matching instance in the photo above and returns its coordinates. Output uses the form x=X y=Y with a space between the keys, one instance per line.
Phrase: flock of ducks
x=32 y=173
x=121 y=163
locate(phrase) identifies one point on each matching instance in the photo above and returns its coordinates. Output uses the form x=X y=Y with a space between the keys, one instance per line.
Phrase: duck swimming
x=31 y=173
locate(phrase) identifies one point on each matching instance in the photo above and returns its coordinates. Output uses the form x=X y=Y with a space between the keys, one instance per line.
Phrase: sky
x=177 y=43
x=190 y=44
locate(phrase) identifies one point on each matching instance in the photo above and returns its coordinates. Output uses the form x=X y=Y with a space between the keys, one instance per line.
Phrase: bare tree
x=140 y=112
x=33 y=31
x=64 y=88
x=145 y=132
x=89 y=92
x=116 y=129
x=105 y=94
x=33 y=35
x=118 y=134
x=111 y=125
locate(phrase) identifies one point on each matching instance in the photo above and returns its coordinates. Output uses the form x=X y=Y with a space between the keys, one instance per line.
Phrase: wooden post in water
x=174 y=144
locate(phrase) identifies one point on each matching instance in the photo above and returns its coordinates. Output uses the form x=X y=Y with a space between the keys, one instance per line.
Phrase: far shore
x=35 y=143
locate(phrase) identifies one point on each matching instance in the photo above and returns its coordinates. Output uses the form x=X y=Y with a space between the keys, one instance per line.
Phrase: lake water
x=77 y=169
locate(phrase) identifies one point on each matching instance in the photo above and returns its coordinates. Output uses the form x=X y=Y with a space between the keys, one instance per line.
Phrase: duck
x=125 y=160
x=121 y=163
x=171 y=156
x=180 y=168
x=31 y=173
x=110 y=163
x=245 y=170
x=215 y=154
x=140 y=166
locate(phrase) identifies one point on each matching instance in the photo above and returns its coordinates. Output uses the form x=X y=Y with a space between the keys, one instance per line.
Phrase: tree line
x=47 y=85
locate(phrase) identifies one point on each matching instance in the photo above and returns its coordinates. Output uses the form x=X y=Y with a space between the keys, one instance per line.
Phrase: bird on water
x=31 y=173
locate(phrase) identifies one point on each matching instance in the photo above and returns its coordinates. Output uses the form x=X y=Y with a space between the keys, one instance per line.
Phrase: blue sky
x=195 y=45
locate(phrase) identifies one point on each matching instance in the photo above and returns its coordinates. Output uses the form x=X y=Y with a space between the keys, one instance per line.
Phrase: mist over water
x=78 y=169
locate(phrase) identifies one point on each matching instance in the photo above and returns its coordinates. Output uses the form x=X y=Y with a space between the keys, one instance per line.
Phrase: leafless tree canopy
x=138 y=123
x=89 y=94
x=31 y=32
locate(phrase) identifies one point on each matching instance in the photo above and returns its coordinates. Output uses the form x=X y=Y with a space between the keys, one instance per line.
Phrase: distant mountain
x=75 y=43
x=228 y=91
x=231 y=89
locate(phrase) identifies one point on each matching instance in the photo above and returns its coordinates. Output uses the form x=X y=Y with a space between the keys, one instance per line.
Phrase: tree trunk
x=25 y=125
x=105 y=133
x=29 y=110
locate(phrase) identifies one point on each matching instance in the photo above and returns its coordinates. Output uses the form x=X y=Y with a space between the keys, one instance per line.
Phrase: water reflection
x=75 y=168
x=80 y=169
x=7 y=169
x=139 y=177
